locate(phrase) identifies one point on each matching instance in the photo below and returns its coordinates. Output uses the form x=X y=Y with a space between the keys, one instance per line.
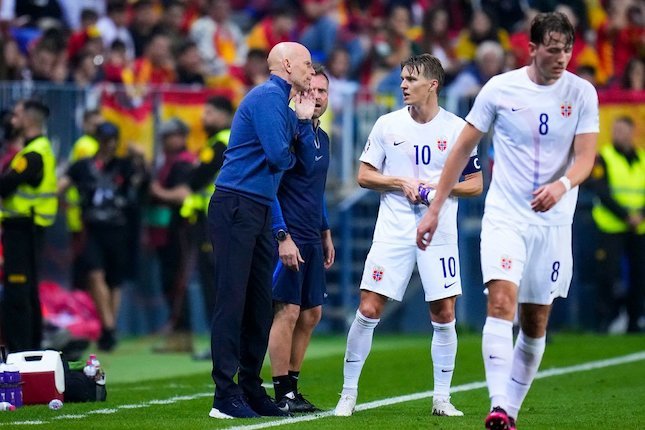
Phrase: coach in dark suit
x=239 y=221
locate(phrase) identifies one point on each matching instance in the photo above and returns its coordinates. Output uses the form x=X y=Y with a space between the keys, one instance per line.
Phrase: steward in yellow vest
x=85 y=146
x=29 y=203
x=618 y=180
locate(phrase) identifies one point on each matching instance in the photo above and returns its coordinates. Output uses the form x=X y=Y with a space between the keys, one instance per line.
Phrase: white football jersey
x=400 y=146
x=533 y=131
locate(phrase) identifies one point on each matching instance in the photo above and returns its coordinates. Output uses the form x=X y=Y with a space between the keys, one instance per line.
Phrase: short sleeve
x=374 y=152
x=589 y=119
x=482 y=114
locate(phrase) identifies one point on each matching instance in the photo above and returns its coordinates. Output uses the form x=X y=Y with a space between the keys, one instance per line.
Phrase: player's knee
x=501 y=306
x=287 y=313
x=311 y=317
x=370 y=310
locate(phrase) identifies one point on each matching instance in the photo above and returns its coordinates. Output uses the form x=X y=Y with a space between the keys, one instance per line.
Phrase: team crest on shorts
x=506 y=263
x=566 y=109
x=442 y=144
x=377 y=273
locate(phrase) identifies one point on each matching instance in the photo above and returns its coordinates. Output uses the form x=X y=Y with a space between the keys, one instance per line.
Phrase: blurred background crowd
x=93 y=60
x=225 y=42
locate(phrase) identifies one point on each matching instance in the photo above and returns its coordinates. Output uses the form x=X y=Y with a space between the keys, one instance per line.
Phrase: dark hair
x=89 y=14
x=552 y=22
x=427 y=65
x=260 y=54
x=626 y=82
x=221 y=103
x=185 y=46
x=107 y=130
x=90 y=113
x=626 y=119
x=319 y=70
x=36 y=107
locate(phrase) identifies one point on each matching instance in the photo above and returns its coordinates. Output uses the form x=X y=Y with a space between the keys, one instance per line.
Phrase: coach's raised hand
x=305 y=102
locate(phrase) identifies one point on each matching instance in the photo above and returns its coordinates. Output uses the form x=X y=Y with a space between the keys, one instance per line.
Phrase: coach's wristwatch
x=281 y=235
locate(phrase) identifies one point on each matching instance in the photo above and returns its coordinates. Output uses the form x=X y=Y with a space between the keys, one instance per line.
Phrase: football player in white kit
x=405 y=149
x=545 y=127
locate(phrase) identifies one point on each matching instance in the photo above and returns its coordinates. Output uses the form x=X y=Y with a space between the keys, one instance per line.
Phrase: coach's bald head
x=292 y=62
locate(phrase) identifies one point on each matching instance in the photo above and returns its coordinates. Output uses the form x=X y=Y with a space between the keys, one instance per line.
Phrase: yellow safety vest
x=627 y=187
x=86 y=146
x=41 y=201
x=198 y=201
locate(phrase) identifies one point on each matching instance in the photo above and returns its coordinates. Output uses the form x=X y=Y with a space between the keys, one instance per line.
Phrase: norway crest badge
x=377 y=273
x=566 y=109
x=442 y=144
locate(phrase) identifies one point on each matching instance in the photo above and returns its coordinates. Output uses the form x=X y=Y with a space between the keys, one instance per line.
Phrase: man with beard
x=29 y=204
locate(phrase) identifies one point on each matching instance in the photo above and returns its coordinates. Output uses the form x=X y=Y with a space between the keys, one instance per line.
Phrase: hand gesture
x=410 y=188
x=290 y=254
x=305 y=104
x=427 y=228
x=546 y=196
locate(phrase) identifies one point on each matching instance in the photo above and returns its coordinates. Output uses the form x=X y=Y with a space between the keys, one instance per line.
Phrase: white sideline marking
x=630 y=358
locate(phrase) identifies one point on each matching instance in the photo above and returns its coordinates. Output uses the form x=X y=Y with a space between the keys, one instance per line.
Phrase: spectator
x=392 y=45
x=117 y=68
x=219 y=39
x=634 y=76
x=321 y=29
x=144 y=24
x=489 y=61
x=85 y=70
x=583 y=54
x=519 y=39
x=44 y=62
x=482 y=27
x=618 y=180
x=29 y=204
x=191 y=68
x=278 y=27
x=622 y=37
x=172 y=21
x=88 y=32
x=436 y=40
x=14 y=64
x=254 y=71
x=37 y=10
x=10 y=141
x=113 y=26
x=157 y=65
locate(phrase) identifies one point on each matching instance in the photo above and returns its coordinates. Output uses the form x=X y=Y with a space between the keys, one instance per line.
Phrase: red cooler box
x=42 y=375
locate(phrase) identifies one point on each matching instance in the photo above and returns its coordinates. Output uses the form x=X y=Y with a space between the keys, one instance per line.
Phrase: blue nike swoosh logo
x=518 y=382
x=516 y=109
x=449 y=285
x=398 y=143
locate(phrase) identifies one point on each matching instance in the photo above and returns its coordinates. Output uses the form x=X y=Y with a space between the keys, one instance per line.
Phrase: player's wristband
x=566 y=182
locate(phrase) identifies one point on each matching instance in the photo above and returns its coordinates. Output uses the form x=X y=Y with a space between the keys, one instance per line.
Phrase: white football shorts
x=538 y=259
x=389 y=267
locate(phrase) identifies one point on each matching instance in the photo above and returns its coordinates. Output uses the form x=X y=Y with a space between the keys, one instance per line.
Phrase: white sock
x=497 y=349
x=359 y=344
x=443 y=351
x=526 y=360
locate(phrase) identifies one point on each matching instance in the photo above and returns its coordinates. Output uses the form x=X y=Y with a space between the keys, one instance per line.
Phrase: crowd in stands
x=214 y=43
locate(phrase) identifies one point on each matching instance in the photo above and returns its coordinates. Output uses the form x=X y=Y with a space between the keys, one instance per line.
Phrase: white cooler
x=42 y=375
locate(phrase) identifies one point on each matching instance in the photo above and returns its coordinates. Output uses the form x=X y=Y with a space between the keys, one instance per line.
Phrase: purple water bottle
x=13 y=385
x=426 y=193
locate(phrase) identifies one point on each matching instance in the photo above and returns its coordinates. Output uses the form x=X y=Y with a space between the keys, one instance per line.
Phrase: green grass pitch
x=586 y=382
